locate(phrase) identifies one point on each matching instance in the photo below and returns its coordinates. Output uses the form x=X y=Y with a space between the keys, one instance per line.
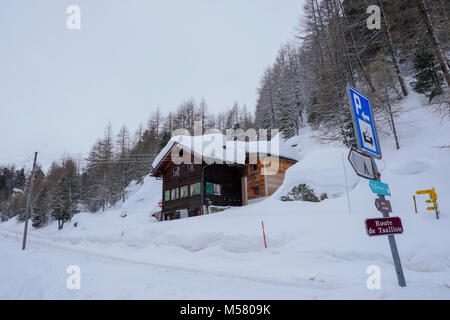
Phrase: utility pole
x=103 y=190
x=123 y=183
x=28 y=208
x=70 y=199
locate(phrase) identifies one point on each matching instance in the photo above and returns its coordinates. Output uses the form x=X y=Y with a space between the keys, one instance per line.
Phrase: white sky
x=59 y=88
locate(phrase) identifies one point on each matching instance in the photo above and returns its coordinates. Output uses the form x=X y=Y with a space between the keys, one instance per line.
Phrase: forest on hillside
x=305 y=86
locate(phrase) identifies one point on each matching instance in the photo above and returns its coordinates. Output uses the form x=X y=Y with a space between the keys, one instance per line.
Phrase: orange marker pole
x=264 y=234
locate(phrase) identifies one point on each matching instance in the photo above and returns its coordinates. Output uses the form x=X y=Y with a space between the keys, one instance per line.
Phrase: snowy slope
x=315 y=250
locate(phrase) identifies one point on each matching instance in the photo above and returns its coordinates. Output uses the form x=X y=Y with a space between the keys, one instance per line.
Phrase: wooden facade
x=187 y=188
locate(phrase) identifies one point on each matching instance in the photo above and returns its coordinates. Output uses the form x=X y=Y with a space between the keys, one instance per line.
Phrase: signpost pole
x=391 y=238
x=369 y=148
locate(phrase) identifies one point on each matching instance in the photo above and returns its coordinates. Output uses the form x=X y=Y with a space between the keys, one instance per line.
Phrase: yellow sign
x=433 y=200
x=425 y=192
x=431 y=192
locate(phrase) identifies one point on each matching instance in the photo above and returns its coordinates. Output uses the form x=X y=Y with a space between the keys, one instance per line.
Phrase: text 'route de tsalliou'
x=384 y=226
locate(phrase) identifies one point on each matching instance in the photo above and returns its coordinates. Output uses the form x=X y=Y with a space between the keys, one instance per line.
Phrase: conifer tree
x=428 y=79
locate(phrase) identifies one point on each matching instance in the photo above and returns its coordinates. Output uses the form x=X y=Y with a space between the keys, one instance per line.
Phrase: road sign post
x=391 y=238
x=368 y=144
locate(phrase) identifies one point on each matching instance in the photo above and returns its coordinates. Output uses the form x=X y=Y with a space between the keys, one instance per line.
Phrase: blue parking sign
x=363 y=122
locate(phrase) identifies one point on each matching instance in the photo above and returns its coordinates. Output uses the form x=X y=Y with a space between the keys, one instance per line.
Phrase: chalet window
x=254 y=168
x=190 y=167
x=195 y=189
x=213 y=188
x=184 y=192
x=176 y=171
x=167 y=195
x=175 y=193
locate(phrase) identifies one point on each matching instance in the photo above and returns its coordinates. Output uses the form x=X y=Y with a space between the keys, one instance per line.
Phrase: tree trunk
x=393 y=52
x=391 y=119
x=366 y=75
x=434 y=40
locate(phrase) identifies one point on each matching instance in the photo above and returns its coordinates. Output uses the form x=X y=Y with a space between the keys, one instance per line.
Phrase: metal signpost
x=368 y=144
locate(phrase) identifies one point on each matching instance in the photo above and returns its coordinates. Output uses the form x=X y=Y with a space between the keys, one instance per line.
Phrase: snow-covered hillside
x=315 y=250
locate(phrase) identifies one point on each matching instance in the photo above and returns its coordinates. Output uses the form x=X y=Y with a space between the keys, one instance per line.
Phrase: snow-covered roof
x=219 y=149
x=17 y=190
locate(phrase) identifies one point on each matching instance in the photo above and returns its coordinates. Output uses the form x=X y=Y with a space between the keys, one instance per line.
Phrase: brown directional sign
x=362 y=164
x=384 y=206
x=384 y=226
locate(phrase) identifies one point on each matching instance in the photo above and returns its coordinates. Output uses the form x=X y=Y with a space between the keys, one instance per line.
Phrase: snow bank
x=322 y=169
x=145 y=199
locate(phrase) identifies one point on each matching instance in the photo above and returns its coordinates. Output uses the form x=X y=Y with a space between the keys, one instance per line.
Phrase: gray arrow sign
x=362 y=164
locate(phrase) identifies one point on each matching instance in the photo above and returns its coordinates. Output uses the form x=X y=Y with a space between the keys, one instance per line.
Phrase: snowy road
x=40 y=273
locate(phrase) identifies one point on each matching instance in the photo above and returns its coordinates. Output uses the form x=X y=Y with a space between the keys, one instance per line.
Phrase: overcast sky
x=59 y=87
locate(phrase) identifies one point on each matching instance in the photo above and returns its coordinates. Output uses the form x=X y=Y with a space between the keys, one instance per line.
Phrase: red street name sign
x=384 y=226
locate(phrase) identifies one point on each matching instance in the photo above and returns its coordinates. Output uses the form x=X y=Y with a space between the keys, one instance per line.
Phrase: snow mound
x=322 y=170
x=145 y=199
x=412 y=167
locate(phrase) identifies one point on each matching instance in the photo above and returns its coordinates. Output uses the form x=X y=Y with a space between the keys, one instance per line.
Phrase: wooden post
x=28 y=207
x=415 y=204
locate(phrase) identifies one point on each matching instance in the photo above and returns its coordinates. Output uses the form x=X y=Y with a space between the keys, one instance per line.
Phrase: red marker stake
x=264 y=234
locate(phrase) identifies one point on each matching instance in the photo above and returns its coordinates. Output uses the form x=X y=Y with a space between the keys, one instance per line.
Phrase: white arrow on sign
x=357 y=103
x=362 y=164
x=366 y=117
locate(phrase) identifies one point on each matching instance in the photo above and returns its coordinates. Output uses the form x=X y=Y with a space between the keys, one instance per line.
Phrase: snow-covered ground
x=315 y=250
